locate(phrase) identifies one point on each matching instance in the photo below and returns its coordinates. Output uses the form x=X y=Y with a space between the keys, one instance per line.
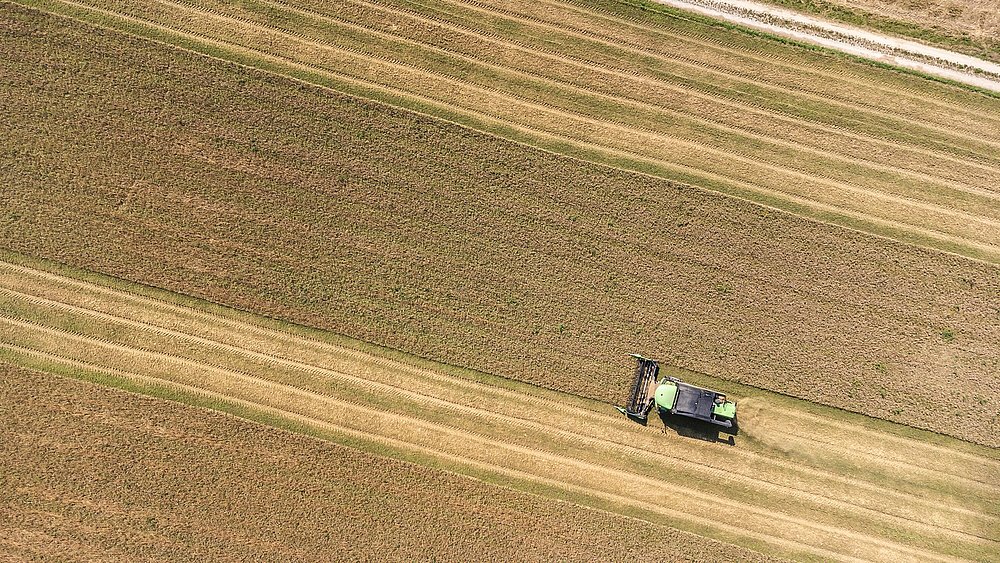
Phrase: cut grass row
x=696 y=65
x=828 y=501
x=709 y=148
x=506 y=40
x=92 y=472
x=470 y=35
x=428 y=237
x=935 y=204
x=34 y=312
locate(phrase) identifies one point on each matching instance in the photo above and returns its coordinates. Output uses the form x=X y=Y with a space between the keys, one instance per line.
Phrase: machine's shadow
x=691 y=428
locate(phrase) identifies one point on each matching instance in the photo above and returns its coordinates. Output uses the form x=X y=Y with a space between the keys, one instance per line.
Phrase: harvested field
x=790 y=127
x=430 y=238
x=92 y=474
x=968 y=26
x=799 y=481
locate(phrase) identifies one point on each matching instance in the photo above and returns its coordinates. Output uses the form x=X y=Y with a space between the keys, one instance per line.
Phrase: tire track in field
x=561 y=116
x=470 y=411
x=615 y=41
x=503 y=453
x=591 y=434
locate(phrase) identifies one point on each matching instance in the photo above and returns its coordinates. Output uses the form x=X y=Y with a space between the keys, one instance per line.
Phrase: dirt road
x=852 y=40
x=796 y=483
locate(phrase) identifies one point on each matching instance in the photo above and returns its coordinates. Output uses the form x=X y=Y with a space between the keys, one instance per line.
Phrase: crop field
x=93 y=474
x=290 y=212
x=800 y=481
x=638 y=87
x=430 y=238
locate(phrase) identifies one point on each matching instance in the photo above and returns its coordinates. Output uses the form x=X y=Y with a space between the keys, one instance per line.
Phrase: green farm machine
x=671 y=396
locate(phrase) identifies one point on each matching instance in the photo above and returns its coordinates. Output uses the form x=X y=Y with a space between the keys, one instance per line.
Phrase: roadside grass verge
x=931 y=32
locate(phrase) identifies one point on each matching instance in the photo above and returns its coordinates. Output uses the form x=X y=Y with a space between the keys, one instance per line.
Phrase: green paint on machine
x=724 y=409
x=665 y=395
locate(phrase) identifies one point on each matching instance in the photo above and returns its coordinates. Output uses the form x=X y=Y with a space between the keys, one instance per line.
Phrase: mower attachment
x=643 y=386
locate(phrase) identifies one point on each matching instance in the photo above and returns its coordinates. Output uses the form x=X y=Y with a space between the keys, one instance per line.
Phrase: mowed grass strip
x=605 y=42
x=607 y=454
x=639 y=129
x=628 y=80
x=172 y=480
x=942 y=214
x=741 y=81
x=430 y=238
x=660 y=28
x=631 y=82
